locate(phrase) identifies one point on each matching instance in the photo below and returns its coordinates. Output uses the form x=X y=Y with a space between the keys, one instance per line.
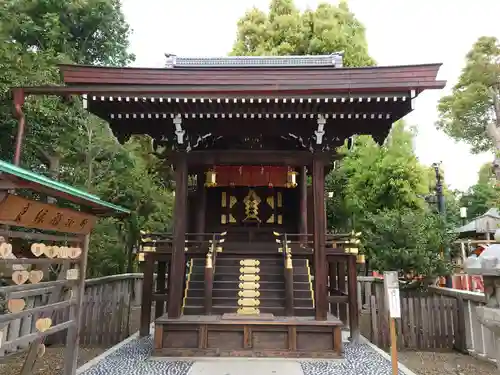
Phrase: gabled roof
x=20 y=178
x=487 y=222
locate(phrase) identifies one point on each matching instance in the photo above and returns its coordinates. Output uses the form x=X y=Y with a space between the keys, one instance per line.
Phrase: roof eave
x=21 y=178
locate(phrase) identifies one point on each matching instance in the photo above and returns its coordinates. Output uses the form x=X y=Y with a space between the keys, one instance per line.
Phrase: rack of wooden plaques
x=51 y=267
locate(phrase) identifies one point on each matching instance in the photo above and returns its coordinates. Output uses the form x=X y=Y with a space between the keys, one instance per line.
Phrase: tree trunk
x=493 y=131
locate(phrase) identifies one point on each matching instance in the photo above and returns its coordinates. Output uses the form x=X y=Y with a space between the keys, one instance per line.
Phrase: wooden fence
x=439 y=319
x=110 y=312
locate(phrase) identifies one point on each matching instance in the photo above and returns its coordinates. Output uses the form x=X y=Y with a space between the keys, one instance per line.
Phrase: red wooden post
x=18 y=106
x=320 y=263
x=177 y=272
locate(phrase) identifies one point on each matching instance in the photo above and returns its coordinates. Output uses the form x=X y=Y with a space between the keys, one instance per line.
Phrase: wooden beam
x=177 y=272
x=242 y=157
x=320 y=263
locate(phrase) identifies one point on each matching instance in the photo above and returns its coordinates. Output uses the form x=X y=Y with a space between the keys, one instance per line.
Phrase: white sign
x=394 y=303
x=391 y=286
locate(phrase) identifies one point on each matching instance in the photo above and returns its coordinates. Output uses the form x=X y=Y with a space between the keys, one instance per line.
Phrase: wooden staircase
x=227 y=289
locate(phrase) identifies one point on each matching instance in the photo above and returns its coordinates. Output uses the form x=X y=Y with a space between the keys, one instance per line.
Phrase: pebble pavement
x=133 y=359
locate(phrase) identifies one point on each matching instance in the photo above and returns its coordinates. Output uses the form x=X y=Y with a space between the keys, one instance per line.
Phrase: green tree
x=407 y=240
x=482 y=196
x=65 y=141
x=471 y=113
x=380 y=190
x=284 y=30
x=84 y=31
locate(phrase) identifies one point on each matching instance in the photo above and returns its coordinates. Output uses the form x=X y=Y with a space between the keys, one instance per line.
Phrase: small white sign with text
x=391 y=286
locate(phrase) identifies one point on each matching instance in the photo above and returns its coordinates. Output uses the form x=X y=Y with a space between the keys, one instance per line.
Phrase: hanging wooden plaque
x=35 y=276
x=5 y=250
x=43 y=324
x=16 y=305
x=27 y=213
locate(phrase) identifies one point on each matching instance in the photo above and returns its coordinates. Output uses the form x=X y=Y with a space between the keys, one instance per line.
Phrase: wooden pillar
x=177 y=272
x=73 y=334
x=201 y=193
x=341 y=273
x=18 y=110
x=332 y=282
x=160 y=287
x=303 y=204
x=352 y=286
x=147 y=294
x=320 y=262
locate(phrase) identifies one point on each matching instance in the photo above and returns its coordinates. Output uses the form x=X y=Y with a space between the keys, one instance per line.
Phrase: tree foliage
x=483 y=195
x=65 y=141
x=284 y=30
x=471 y=113
x=84 y=31
x=381 y=191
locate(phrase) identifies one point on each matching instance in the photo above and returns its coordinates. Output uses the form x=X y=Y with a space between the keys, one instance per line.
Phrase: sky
x=398 y=32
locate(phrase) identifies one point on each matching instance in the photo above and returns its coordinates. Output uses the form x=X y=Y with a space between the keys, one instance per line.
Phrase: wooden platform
x=226 y=336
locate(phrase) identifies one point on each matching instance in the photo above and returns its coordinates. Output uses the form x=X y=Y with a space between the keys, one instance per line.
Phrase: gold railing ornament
x=352 y=245
x=208 y=261
x=288 y=263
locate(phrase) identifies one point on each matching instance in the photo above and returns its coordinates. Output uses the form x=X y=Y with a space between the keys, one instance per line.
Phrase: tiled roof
x=334 y=59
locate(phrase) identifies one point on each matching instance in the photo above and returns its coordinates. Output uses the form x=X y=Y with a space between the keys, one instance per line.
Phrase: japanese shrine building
x=251 y=270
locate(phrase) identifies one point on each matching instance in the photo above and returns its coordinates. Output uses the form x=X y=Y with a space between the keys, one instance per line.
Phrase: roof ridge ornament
x=332 y=60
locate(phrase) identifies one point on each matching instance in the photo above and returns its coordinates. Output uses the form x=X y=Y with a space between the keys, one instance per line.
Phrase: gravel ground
x=432 y=363
x=50 y=364
x=53 y=360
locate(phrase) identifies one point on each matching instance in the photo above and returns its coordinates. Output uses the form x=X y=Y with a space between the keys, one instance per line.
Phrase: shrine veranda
x=251 y=268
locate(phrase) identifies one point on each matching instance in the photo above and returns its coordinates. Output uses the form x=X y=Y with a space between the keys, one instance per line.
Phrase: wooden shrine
x=251 y=270
x=43 y=252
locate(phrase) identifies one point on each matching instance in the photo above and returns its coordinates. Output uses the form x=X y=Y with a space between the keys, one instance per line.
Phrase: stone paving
x=134 y=359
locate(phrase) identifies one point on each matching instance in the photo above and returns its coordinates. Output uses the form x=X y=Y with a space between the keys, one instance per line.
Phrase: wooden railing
x=440 y=318
x=109 y=313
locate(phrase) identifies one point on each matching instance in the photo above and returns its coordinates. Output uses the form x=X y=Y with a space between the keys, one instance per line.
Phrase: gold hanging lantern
x=291 y=178
x=211 y=178
x=360 y=259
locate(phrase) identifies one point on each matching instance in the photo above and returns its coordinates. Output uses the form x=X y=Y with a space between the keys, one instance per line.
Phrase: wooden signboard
x=19 y=211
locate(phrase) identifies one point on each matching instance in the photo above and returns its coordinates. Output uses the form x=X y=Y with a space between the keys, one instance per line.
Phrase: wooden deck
x=236 y=336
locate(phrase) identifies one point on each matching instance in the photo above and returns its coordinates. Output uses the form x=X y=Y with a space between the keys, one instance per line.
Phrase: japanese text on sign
x=391 y=286
x=23 y=212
